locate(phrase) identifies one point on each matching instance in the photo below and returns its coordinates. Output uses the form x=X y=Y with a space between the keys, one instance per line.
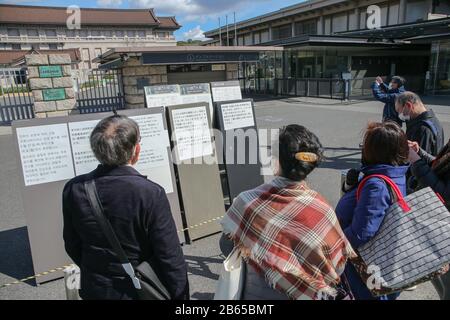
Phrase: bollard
x=72 y=282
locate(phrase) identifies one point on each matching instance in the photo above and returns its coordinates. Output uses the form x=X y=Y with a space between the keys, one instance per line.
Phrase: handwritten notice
x=83 y=156
x=192 y=133
x=45 y=153
x=237 y=115
x=154 y=158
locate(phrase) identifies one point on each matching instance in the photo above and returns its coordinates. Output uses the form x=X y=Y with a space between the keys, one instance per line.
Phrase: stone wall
x=134 y=72
x=38 y=85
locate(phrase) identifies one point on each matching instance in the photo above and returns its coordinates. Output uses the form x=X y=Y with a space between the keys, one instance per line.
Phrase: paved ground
x=339 y=126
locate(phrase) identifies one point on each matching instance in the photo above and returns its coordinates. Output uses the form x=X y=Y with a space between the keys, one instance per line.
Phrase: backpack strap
x=391 y=184
x=430 y=124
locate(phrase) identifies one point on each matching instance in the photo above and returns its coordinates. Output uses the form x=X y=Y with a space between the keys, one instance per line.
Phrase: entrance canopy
x=182 y=55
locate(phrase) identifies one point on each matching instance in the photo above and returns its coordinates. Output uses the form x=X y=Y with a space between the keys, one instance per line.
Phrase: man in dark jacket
x=138 y=211
x=387 y=94
x=422 y=126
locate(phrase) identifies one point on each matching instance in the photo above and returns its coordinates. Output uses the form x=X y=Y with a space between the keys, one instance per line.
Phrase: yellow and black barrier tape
x=66 y=266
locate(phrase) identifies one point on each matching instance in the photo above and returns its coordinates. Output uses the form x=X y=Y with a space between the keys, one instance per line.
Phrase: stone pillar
x=52 y=92
x=232 y=71
x=136 y=76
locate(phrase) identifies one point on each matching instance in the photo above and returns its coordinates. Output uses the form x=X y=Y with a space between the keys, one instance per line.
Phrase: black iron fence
x=298 y=87
x=98 y=90
x=16 y=100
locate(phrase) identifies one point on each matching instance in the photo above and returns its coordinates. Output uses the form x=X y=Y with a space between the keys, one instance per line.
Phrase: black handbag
x=147 y=284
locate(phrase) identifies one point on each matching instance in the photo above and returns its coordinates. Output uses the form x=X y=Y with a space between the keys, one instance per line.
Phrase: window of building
x=131 y=33
x=248 y=39
x=240 y=41
x=82 y=33
x=119 y=33
x=306 y=27
x=16 y=46
x=384 y=15
x=53 y=46
x=50 y=33
x=98 y=52
x=327 y=26
x=35 y=46
x=282 y=32
x=416 y=10
x=161 y=35
x=13 y=32
x=85 y=54
x=141 y=33
x=353 y=21
x=107 y=33
x=95 y=33
x=394 y=10
x=32 y=33
x=265 y=36
x=257 y=37
x=339 y=23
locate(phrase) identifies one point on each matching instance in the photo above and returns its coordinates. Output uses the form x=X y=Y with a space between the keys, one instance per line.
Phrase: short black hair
x=399 y=80
x=293 y=139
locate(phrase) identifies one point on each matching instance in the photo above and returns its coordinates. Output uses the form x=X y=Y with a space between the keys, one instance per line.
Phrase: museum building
x=328 y=38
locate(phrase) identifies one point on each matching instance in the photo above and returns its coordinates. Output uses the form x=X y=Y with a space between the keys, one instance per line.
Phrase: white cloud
x=193 y=10
x=109 y=3
x=194 y=34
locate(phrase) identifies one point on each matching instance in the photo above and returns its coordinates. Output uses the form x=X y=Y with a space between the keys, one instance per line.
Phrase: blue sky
x=195 y=15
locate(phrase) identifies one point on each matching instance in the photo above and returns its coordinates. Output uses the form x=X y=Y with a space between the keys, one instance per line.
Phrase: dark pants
x=442 y=286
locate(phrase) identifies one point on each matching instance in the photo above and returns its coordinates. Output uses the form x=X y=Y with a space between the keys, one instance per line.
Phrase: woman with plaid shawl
x=286 y=232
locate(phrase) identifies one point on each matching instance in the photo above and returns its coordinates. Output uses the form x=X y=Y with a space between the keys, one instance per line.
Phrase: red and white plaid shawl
x=291 y=236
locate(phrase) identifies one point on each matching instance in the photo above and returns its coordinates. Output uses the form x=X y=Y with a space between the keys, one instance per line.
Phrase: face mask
x=404 y=117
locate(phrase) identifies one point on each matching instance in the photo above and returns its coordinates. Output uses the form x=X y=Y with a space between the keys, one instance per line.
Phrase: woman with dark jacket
x=385 y=152
x=433 y=172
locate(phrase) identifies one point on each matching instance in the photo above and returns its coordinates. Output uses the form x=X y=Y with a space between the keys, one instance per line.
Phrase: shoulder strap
x=432 y=126
x=391 y=184
x=105 y=225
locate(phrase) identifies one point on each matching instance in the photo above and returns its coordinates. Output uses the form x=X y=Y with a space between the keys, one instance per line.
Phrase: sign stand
x=196 y=165
x=53 y=150
x=236 y=120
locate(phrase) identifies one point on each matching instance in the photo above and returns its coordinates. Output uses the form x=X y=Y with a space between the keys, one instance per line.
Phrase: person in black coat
x=138 y=211
x=422 y=126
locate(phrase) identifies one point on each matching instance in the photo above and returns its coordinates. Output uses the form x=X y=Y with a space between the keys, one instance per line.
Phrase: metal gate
x=16 y=99
x=98 y=90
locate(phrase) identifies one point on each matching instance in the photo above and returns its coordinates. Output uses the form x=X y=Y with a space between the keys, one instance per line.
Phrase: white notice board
x=162 y=96
x=45 y=153
x=83 y=157
x=226 y=91
x=193 y=136
x=237 y=115
x=194 y=93
x=154 y=159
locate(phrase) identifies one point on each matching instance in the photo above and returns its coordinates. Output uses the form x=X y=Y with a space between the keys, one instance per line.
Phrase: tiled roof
x=16 y=14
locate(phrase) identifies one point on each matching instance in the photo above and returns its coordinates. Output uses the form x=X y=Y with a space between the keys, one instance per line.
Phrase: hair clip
x=306 y=156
